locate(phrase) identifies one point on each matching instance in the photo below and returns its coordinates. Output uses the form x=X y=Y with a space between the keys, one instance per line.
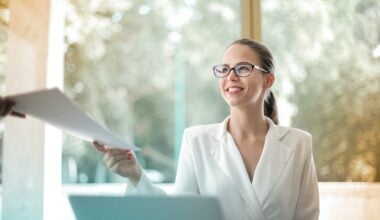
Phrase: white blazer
x=284 y=185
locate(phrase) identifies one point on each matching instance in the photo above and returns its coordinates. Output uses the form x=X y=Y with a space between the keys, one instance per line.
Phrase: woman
x=257 y=169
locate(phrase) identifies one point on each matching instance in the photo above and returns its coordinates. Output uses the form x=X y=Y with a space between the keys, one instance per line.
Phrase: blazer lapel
x=272 y=161
x=228 y=158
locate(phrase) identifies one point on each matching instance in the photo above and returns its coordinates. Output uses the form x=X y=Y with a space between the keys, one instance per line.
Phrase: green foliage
x=327 y=54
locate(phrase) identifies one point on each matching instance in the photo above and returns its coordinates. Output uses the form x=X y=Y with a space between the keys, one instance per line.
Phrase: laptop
x=134 y=207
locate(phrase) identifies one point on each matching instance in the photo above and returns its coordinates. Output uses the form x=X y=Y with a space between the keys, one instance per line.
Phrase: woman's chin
x=233 y=102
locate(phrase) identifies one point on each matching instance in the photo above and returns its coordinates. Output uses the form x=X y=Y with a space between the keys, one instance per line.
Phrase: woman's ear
x=268 y=80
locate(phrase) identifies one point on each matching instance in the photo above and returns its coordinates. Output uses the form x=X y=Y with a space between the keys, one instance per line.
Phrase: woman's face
x=243 y=91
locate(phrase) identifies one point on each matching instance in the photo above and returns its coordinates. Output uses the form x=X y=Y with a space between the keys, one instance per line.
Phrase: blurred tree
x=325 y=49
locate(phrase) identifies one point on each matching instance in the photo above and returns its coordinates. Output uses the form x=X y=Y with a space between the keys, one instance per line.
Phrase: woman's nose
x=232 y=75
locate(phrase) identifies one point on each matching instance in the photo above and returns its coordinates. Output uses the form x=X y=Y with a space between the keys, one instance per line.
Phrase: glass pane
x=4 y=20
x=328 y=59
x=140 y=68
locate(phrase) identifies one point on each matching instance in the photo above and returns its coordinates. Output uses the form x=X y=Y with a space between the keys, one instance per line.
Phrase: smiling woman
x=231 y=160
x=244 y=69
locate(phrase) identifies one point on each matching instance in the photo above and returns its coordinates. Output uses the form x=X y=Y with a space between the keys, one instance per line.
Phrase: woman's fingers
x=104 y=148
x=115 y=156
x=110 y=160
x=116 y=151
x=120 y=161
x=100 y=147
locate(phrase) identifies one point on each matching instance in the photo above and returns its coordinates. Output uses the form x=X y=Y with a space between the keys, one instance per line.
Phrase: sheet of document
x=55 y=108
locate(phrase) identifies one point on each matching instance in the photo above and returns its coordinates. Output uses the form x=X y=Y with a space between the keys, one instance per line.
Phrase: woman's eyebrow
x=244 y=62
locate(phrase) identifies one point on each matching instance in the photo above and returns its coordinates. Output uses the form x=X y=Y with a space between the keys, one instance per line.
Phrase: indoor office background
x=142 y=68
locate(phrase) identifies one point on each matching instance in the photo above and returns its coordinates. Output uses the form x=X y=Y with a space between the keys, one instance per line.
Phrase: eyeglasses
x=241 y=70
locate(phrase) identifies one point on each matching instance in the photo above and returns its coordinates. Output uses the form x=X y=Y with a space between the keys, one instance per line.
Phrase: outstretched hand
x=6 y=108
x=120 y=161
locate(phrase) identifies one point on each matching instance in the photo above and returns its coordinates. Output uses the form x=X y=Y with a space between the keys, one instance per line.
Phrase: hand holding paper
x=121 y=161
x=6 y=108
x=53 y=107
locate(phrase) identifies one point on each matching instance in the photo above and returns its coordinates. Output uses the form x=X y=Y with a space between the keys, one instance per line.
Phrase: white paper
x=53 y=107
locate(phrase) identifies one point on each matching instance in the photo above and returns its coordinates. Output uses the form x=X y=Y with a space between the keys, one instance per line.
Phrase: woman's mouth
x=234 y=90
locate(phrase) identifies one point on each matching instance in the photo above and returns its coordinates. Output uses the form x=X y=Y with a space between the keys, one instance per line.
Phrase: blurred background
x=142 y=68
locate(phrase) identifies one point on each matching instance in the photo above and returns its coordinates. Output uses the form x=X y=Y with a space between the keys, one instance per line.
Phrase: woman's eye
x=224 y=69
x=243 y=68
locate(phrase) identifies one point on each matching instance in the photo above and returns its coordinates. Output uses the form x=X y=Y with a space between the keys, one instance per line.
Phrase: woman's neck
x=247 y=123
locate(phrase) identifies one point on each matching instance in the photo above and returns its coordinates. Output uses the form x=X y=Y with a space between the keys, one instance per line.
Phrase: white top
x=284 y=184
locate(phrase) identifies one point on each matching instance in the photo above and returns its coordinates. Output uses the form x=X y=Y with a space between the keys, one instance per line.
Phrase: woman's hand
x=120 y=161
x=6 y=107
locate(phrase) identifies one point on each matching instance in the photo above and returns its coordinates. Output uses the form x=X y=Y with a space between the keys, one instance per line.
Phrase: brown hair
x=267 y=63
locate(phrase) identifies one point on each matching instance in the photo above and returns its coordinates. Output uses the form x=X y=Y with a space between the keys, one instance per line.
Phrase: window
x=143 y=69
x=4 y=19
x=328 y=62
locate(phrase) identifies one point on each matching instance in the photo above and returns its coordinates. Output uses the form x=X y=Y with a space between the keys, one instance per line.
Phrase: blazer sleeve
x=186 y=181
x=308 y=201
x=144 y=186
